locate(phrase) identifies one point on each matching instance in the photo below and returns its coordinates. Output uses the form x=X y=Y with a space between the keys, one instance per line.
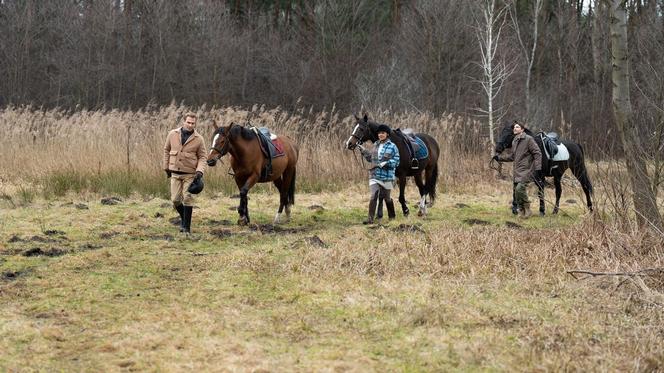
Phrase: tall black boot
x=390 y=209
x=372 y=209
x=379 y=211
x=180 y=209
x=187 y=219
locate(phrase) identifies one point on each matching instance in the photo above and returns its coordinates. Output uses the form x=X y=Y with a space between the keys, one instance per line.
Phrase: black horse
x=367 y=131
x=556 y=169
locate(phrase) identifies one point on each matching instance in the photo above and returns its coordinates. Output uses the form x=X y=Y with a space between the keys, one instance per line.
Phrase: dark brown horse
x=367 y=131
x=248 y=163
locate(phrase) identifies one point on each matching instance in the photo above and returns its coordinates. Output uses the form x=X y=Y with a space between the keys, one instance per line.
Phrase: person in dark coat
x=527 y=159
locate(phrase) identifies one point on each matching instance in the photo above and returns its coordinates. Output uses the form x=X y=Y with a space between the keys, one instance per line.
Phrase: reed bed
x=120 y=151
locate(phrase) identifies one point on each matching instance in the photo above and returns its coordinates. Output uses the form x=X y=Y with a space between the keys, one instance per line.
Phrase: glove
x=199 y=174
x=382 y=164
x=168 y=174
x=496 y=158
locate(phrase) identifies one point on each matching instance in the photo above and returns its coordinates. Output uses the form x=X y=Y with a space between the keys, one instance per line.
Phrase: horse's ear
x=366 y=118
x=356 y=117
x=215 y=125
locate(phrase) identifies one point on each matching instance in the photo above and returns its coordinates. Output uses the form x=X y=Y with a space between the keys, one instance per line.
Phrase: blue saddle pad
x=421 y=152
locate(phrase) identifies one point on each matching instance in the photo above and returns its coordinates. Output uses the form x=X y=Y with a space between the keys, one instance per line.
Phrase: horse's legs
x=581 y=174
x=402 y=197
x=559 y=192
x=283 y=199
x=423 y=194
x=243 y=210
x=540 y=195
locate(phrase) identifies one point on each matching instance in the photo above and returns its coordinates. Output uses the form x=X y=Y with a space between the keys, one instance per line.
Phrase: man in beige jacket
x=184 y=160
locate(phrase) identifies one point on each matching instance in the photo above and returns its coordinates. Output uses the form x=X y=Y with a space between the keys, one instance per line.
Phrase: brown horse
x=249 y=163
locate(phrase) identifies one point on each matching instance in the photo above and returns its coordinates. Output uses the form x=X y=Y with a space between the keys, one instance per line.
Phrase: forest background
x=401 y=55
x=548 y=63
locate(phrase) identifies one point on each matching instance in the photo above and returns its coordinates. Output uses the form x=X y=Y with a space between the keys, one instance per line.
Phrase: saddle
x=550 y=141
x=416 y=148
x=271 y=147
x=554 y=149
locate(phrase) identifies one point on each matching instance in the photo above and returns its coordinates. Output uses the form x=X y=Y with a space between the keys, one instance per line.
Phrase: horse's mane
x=243 y=132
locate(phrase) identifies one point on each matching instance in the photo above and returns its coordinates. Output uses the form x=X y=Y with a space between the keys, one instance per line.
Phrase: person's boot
x=526 y=213
x=379 y=210
x=372 y=211
x=180 y=209
x=187 y=219
x=391 y=214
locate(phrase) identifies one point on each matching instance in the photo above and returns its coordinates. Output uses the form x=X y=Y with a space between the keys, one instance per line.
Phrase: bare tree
x=495 y=71
x=645 y=205
x=528 y=52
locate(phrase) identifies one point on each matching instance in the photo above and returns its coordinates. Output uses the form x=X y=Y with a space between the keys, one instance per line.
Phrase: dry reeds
x=87 y=144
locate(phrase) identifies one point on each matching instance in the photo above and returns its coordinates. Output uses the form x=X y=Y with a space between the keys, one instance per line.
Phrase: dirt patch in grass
x=37 y=251
x=16 y=238
x=510 y=224
x=11 y=275
x=408 y=228
x=269 y=228
x=222 y=233
x=90 y=246
x=53 y=232
x=107 y=235
x=476 y=222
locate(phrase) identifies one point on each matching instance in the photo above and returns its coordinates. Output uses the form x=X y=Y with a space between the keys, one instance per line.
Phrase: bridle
x=358 y=139
x=224 y=149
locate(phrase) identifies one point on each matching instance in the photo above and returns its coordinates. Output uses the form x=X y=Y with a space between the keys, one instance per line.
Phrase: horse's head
x=505 y=138
x=363 y=131
x=220 y=143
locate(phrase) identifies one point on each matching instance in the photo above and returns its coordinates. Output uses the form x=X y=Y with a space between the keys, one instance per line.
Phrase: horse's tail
x=581 y=172
x=291 y=190
x=431 y=182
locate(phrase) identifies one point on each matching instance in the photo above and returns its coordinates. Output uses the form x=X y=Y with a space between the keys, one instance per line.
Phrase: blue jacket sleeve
x=393 y=160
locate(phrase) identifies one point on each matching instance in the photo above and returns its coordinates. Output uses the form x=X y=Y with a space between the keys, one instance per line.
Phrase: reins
x=499 y=167
x=362 y=161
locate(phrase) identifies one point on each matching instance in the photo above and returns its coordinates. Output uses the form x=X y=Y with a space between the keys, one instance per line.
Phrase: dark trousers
x=378 y=192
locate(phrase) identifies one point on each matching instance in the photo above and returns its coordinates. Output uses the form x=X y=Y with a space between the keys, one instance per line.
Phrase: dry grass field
x=88 y=286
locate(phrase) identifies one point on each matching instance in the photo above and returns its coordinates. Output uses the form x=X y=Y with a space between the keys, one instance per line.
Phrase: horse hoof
x=542 y=213
x=242 y=221
x=555 y=211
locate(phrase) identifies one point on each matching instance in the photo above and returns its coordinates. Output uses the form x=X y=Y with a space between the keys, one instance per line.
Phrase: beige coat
x=187 y=158
x=526 y=156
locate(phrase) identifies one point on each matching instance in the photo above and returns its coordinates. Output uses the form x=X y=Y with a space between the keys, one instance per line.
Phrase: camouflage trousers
x=521 y=193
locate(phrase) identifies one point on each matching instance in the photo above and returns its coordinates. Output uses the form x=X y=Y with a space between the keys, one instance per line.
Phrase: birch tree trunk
x=645 y=205
x=495 y=72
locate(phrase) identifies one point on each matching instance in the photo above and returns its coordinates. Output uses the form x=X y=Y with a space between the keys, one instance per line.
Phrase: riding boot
x=390 y=209
x=187 y=219
x=372 y=210
x=379 y=211
x=180 y=209
x=525 y=211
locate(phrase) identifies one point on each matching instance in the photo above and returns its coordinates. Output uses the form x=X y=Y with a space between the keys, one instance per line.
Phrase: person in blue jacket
x=384 y=160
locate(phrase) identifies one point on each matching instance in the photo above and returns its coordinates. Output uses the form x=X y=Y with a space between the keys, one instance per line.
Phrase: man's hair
x=189 y=115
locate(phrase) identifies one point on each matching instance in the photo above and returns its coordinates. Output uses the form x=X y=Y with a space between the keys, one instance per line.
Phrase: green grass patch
x=323 y=292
